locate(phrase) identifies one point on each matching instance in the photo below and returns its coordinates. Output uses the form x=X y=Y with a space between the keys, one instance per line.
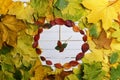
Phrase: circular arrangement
x=60 y=46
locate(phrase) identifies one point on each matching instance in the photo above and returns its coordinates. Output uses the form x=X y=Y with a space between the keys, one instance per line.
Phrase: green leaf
x=57 y=48
x=73 y=11
x=17 y=75
x=5 y=49
x=8 y=76
x=40 y=7
x=26 y=75
x=0 y=67
x=7 y=67
x=93 y=71
x=114 y=57
x=78 y=72
x=61 y=4
x=115 y=73
x=71 y=77
x=64 y=45
x=93 y=31
x=26 y=68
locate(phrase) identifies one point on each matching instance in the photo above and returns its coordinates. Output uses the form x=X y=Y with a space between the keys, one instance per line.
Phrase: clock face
x=48 y=41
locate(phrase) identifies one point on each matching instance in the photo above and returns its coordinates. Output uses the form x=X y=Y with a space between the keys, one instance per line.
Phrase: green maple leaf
x=93 y=71
x=5 y=49
x=61 y=4
x=40 y=7
x=115 y=73
x=72 y=11
x=114 y=57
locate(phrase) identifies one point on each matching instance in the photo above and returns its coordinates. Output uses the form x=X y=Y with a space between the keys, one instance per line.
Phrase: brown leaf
x=102 y=41
x=62 y=75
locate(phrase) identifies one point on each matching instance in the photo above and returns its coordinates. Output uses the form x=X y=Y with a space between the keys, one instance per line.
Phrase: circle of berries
x=68 y=23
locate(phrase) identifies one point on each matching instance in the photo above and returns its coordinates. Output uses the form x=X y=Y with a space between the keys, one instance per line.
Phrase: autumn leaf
x=22 y=12
x=115 y=73
x=40 y=71
x=5 y=5
x=60 y=46
x=9 y=27
x=71 y=10
x=92 y=70
x=102 y=41
x=116 y=34
x=104 y=10
x=24 y=48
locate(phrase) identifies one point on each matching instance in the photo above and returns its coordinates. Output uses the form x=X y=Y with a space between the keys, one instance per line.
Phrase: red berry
x=35 y=44
x=48 y=62
x=42 y=58
x=69 y=23
x=58 y=65
x=38 y=51
x=73 y=63
x=59 y=21
x=82 y=32
x=84 y=38
x=79 y=56
x=36 y=37
x=85 y=47
x=53 y=22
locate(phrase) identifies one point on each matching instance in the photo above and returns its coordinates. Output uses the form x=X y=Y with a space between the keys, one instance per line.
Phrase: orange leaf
x=76 y=29
x=66 y=66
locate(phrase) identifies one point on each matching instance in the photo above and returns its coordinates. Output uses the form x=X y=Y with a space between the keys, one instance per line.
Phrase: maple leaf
x=102 y=41
x=71 y=10
x=40 y=71
x=5 y=5
x=115 y=73
x=115 y=45
x=24 y=48
x=105 y=10
x=116 y=34
x=97 y=56
x=22 y=12
x=93 y=71
x=9 y=27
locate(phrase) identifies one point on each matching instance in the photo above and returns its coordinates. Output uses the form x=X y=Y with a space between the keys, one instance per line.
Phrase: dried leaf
x=102 y=41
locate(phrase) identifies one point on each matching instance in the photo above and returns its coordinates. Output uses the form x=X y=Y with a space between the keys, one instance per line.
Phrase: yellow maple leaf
x=5 y=5
x=115 y=45
x=21 y=11
x=9 y=27
x=40 y=71
x=104 y=10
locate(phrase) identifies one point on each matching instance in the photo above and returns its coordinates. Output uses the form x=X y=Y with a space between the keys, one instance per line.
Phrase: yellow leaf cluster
x=40 y=71
x=105 y=11
x=21 y=11
x=5 y=5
